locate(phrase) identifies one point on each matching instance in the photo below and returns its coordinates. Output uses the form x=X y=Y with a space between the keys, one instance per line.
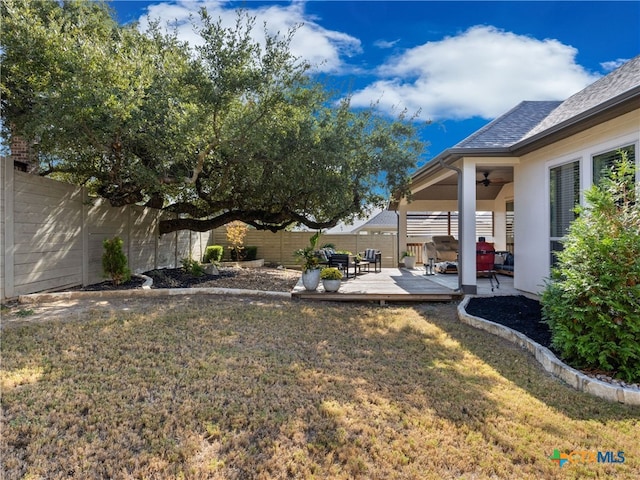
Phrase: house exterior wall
x=531 y=191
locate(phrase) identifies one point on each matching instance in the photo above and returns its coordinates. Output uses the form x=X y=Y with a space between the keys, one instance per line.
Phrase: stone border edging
x=550 y=362
x=148 y=281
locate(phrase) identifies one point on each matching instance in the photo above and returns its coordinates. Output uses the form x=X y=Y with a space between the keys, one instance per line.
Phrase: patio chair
x=342 y=262
x=374 y=257
x=444 y=251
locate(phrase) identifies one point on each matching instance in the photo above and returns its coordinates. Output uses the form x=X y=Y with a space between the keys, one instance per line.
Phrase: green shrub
x=250 y=253
x=114 y=261
x=592 y=303
x=213 y=254
x=331 y=273
x=246 y=254
x=192 y=267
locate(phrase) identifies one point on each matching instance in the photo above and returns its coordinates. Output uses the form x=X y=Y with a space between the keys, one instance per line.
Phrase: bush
x=592 y=304
x=114 y=261
x=331 y=273
x=192 y=267
x=213 y=254
x=246 y=254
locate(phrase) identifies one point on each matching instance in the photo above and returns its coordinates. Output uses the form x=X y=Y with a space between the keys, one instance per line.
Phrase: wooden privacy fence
x=51 y=236
x=278 y=247
x=52 y=233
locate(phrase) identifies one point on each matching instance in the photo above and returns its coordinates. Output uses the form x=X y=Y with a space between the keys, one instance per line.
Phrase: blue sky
x=460 y=64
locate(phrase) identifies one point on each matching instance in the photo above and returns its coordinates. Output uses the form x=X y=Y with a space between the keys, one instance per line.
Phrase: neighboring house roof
x=511 y=127
x=386 y=220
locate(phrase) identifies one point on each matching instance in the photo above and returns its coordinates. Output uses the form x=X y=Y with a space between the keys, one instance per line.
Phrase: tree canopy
x=233 y=129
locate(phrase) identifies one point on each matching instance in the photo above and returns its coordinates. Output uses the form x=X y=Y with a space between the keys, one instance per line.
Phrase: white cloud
x=321 y=47
x=385 y=43
x=482 y=72
x=612 y=65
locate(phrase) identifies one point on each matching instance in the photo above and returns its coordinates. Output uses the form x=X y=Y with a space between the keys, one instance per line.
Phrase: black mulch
x=178 y=278
x=108 y=285
x=162 y=278
x=515 y=311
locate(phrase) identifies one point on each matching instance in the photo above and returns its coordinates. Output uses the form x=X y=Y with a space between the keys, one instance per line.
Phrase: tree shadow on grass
x=520 y=367
x=265 y=389
x=234 y=390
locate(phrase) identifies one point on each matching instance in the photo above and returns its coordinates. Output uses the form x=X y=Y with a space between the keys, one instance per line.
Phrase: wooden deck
x=390 y=285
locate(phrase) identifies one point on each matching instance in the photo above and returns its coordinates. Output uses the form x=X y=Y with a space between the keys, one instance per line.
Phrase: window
x=602 y=163
x=564 y=182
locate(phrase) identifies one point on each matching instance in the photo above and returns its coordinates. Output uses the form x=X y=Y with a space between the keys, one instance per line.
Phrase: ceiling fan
x=486 y=182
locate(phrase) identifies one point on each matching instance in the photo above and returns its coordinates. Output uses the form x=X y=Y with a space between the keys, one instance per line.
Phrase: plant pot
x=409 y=262
x=311 y=279
x=331 y=285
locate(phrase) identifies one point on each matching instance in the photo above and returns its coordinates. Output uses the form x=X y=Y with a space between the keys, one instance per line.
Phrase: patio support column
x=500 y=224
x=467 y=227
x=402 y=231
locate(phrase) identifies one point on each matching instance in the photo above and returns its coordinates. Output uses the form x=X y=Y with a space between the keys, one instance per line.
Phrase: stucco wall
x=532 y=251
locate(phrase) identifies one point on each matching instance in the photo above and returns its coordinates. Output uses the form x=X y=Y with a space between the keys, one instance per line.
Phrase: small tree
x=114 y=261
x=236 y=231
x=592 y=304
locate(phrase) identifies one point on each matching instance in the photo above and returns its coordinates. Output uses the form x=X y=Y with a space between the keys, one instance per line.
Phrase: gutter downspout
x=459 y=172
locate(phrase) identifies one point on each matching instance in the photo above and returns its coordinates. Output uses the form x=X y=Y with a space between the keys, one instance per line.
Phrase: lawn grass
x=238 y=389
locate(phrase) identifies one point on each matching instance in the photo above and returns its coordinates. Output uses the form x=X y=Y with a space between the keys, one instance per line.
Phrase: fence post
x=9 y=215
x=85 y=235
x=156 y=238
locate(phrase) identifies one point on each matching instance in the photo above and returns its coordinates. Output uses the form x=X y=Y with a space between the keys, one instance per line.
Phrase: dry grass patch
x=235 y=389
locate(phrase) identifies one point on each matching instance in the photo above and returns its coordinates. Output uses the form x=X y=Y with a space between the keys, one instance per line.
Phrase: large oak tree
x=231 y=130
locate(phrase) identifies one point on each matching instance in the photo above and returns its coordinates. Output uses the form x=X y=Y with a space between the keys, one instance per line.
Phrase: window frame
x=555 y=240
x=595 y=176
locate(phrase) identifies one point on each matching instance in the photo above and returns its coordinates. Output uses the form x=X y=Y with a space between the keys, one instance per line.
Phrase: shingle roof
x=539 y=121
x=385 y=219
x=509 y=128
x=615 y=83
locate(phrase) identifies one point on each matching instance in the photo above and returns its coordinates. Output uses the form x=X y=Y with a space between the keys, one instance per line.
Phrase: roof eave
x=612 y=108
x=448 y=157
x=451 y=155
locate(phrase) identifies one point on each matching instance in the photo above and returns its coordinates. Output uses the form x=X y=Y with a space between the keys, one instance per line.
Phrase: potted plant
x=309 y=259
x=409 y=259
x=331 y=279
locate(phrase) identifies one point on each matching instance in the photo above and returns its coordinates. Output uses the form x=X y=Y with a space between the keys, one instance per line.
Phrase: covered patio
x=479 y=174
x=475 y=195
